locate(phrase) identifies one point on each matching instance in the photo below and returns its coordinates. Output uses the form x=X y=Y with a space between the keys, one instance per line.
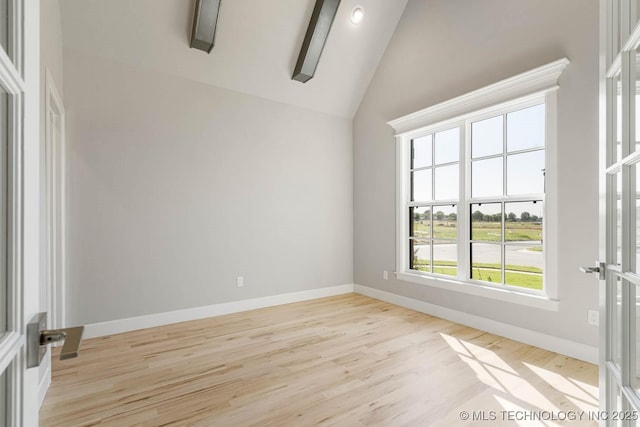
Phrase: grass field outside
x=515 y=275
x=515 y=231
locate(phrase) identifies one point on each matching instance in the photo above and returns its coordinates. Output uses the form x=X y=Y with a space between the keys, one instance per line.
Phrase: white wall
x=445 y=48
x=176 y=188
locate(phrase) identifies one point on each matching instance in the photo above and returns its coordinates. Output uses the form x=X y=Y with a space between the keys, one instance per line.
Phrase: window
x=506 y=160
x=433 y=209
x=474 y=191
x=507 y=164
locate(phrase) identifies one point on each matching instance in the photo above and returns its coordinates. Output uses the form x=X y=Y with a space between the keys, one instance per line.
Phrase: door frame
x=31 y=205
x=53 y=219
x=12 y=341
x=603 y=129
x=55 y=208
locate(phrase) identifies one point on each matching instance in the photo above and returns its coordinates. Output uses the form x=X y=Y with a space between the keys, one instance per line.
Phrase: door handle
x=600 y=269
x=70 y=336
x=38 y=338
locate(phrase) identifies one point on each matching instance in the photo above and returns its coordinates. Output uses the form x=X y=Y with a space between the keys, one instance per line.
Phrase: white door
x=19 y=206
x=620 y=212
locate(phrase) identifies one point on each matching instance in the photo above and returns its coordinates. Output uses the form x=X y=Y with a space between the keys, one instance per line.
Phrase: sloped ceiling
x=257 y=44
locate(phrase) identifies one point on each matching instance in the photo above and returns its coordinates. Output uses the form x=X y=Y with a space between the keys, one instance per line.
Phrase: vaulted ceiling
x=257 y=44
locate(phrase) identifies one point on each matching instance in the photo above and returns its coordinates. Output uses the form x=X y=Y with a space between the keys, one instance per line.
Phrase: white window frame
x=524 y=90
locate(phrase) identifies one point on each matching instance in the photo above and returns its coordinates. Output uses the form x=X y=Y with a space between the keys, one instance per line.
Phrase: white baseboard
x=557 y=345
x=538 y=339
x=94 y=330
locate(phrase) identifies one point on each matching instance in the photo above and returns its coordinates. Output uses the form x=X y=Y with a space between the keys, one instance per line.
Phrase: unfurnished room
x=319 y=212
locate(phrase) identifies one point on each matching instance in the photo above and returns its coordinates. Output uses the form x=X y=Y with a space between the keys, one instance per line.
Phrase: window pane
x=420 y=252
x=446 y=184
x=486 y=178
x=617 y=111
x=615 y=27
x=615 y=400
x=421 y=185
x=487 y=137
x=619 y=217
x=616 y=336
x=420 y=221
x=524 y=266
x=4 y=25
x=486 y=222
x=615 y=181
x=526 y=128
x=525 y=173
x=524 y=221
x=4 y=143
x=637 y=233
x=486 y=262
x=445 y=258
x=636 y=145
x=447 y=146
x=445 y=222
x=5 y=395
x=421 y=152
x=635 y=341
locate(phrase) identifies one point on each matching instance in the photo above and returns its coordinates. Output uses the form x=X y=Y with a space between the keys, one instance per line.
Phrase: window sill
x=509 y=295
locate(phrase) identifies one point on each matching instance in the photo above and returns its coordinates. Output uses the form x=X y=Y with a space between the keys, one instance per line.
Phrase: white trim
x=10 y=345
x=10 y=78
x=537 y=80
x=551 y=201
x=52 y=91
x=615 y=67
x=563 y=346
x=45 y=381
x=94 y=330
x=633 y=41
x=475 y=115
x=507 y=294
x=19 y=128
x=54 y=153
x=402 y=195
x=28 y=212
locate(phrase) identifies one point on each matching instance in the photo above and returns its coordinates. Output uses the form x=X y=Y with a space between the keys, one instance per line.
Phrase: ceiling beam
x=205 y=21
x=321 y=20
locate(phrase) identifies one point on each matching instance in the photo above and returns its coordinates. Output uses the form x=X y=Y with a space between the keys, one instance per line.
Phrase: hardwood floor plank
x=341 y=361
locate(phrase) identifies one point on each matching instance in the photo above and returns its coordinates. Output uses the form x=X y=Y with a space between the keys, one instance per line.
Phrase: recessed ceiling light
x=357 y=14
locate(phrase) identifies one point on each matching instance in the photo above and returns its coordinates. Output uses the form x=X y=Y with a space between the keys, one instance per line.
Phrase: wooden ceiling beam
x=322 y=18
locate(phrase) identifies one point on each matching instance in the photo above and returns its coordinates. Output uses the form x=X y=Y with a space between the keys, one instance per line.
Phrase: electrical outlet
x=385 y=275
x=593 y=317
x=240 y=281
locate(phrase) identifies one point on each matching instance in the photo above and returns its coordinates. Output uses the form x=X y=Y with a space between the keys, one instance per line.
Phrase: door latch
x=51 y=336
x=600 y=269
x=38 y=338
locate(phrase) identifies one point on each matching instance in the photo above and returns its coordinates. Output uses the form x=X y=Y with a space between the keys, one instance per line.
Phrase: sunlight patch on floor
x=582 y=395
x=517 y=385
x=508 y=405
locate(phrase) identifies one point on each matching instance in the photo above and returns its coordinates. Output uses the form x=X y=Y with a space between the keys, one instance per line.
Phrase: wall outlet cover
x=593 y=317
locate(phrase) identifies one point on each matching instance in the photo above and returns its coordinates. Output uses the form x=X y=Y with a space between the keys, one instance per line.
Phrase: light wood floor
x=345 y=361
